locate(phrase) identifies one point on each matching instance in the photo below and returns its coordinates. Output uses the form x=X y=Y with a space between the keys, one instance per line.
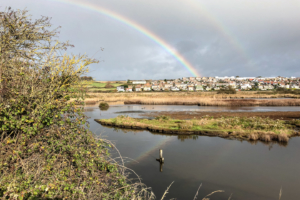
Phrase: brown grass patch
x=253 y=137
x=266 y=138
x=283 y=137
x=243 y=98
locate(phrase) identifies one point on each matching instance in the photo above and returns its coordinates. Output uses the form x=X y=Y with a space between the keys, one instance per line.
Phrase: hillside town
x=211 y=83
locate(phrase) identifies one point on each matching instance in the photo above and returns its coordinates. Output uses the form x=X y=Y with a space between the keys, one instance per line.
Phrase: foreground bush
x=46 y=150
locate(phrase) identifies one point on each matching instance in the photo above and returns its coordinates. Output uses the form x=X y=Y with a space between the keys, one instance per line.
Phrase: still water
x=242 y=169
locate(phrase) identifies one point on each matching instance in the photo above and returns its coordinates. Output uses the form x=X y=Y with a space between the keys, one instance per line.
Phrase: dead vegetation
x=169 y=95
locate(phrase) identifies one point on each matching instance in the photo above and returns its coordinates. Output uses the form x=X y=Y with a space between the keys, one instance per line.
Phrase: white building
x=120 y=89
x=246 y=86
x=191 y=88
x=245 y=78
x=225 y=77
x=138 y=82
x=175 y=89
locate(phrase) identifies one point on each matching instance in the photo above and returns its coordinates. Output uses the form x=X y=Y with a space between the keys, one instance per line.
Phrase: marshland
x=225 y=141
x=253 y=165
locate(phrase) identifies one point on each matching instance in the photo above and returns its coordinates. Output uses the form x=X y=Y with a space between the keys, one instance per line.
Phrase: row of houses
x=212 y=83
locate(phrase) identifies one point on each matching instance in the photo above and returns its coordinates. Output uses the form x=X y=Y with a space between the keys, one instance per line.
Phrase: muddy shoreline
x=199 y=114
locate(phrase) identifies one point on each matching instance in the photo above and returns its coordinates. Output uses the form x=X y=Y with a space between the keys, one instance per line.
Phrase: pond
x=242 y=169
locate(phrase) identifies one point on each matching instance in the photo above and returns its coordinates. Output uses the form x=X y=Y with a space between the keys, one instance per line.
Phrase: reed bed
x=197 y=101
x=197 y=98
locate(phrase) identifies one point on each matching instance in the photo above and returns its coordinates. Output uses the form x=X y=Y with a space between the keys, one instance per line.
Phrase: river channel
x=242 y=169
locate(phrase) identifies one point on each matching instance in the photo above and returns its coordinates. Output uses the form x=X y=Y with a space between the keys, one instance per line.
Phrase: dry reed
x=283 y=137
x=265 y=138
x=249 y=98
x=253 y=137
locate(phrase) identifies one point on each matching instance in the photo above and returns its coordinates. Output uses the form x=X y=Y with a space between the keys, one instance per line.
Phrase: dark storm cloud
x=228 y=37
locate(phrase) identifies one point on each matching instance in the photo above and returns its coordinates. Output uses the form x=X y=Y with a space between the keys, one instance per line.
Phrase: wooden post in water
x=161 y=159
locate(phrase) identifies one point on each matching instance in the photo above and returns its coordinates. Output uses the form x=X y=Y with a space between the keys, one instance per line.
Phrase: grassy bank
x=254 y=128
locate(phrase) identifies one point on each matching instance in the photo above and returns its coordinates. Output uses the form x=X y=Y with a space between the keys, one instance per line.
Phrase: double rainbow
x=139 y=28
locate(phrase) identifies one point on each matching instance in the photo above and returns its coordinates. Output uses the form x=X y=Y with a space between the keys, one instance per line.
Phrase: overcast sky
x=217 y=37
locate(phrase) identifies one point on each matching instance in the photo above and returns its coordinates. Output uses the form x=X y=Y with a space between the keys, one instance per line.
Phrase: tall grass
x=198 y=98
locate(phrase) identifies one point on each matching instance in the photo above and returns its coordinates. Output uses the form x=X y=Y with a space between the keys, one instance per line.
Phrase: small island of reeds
x=252 y=128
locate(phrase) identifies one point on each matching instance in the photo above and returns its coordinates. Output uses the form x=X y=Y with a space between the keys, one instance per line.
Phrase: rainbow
x=156 y=147
x=139 y=28
x=220 y=27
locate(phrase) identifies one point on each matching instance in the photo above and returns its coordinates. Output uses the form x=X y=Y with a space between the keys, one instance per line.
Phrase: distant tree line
x=86 y=78
x=227 y=90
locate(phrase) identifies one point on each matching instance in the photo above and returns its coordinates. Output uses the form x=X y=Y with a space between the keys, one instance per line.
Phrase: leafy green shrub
x=103 y=106
x=46 y=149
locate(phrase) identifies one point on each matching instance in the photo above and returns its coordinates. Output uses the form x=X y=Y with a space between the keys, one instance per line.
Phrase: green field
x=100 y=86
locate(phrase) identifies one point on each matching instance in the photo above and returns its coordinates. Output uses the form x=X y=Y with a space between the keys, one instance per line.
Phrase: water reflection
x=269 y=144
x=86 y=109
x=103 y=108
x=161 y=164
x=183 y=138
x=122 y=130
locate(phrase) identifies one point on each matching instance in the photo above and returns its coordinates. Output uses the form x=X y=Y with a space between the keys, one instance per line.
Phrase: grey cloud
x=186 y=46
x=228 y=37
